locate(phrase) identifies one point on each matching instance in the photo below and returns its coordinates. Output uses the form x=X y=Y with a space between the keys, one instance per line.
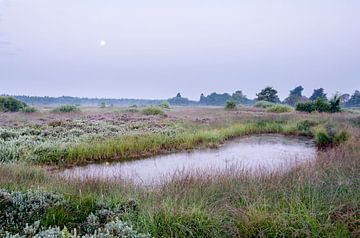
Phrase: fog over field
x=154 y=49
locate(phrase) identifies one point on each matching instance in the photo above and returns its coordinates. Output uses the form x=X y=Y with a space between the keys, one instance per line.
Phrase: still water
x=266 y=153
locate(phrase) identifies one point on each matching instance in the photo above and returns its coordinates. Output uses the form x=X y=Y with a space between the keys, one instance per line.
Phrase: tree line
x=214 y=99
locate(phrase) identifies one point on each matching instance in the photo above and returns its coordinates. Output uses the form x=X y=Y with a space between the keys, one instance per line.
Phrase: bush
x=165 y=105
x=278 y=108
x=29 y=109
x=320 y=105
x=153 y=111
x=264 y=104
x=330 y=137
x=10 y=104
x=305 y=107
x=67 y=108
x=230 y=105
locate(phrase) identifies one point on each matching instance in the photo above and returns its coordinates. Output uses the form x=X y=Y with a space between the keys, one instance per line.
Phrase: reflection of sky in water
x=253 y=153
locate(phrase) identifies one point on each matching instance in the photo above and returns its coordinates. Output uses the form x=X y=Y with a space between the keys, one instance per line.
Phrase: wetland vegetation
x=318 y=198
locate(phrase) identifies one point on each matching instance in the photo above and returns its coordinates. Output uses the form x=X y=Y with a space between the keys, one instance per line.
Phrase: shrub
x=279 y=108
x=264 y=104
x=153 y=111
x=10 y=104
x=165 y=105
x=230 y=105
x=29 y=109
x=305 y=107
x=67 y=108
x=320 y=105
x=20 y=208
x=330 y=136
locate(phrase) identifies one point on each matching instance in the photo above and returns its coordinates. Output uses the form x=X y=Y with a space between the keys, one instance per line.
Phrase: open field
x=319 y=199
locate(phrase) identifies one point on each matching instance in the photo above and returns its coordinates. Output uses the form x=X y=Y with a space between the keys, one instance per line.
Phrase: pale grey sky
x=154 y=49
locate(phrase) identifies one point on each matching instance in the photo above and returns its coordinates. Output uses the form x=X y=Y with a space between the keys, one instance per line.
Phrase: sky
x=154 y=49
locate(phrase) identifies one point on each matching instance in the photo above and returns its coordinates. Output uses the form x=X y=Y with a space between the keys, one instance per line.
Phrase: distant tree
x=202 y=98
x=295 y=96
x=344 y=98
x=216 y=99
x=239 y=97
x=268 y=94
x=318 y=93
x=179 y=100
x=354 y=100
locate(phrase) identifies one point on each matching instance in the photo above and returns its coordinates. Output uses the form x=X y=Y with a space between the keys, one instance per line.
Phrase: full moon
x=102 y=43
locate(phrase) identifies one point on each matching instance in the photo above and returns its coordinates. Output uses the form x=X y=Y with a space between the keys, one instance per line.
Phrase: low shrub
x=305 y=107
x=11 y=104
x=165 y=105
x=153 y=111
x=330 y=136
x=278 y=108
x=264 y=104
x=230 y=105
x=29 y=109
x=67 y=108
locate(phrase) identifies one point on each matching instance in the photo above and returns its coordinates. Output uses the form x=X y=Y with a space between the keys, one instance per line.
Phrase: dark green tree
x=295 y=96
x=318 y=93
x=239 y=98
x=268 y=94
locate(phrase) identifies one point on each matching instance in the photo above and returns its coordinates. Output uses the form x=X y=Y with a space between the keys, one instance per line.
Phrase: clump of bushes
x=153 y=111
x=11 y=104
x=320 y=105
x=264 y=104
x=67 y=108
x=279 y=108
x=230 y=105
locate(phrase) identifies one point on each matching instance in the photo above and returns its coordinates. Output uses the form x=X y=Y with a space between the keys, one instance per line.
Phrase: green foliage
x=305 y=127
x=320 y=105
x=295 y=96
x=264 y=104
x=318 y=93
x=153 y=111
x=330 y=136
x=67 y=109
x=230 y=105
x=268 y=94
x=18 y=209
x=29 y=109
x=165 y=105
x=10 y=104
x=279 y=108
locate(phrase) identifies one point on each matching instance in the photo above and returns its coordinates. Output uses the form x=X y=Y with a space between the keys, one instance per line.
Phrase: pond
x=265 y=153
